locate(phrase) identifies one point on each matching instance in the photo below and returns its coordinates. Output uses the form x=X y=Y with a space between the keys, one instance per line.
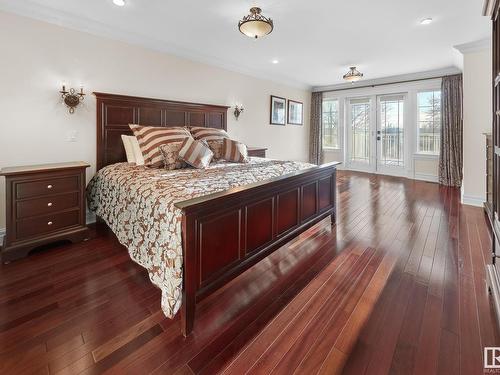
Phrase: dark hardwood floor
x=397 y=286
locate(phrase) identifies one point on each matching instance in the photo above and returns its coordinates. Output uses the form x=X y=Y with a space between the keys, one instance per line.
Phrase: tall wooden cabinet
x=491 y=8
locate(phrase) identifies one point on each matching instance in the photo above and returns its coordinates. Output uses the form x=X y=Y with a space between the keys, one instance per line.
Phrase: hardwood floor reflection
x=397 y=286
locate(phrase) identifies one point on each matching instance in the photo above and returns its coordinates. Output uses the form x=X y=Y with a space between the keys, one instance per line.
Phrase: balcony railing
x=429 y=143
x=392 y=146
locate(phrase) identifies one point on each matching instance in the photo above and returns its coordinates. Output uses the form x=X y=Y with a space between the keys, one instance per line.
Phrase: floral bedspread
x=137 y=203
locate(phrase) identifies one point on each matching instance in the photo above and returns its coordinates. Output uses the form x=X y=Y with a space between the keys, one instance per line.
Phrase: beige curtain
x=316 y=137
x=451 y=157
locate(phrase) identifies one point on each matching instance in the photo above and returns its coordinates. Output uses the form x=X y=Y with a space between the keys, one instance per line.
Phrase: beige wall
x=477 y=120
x=36 y=57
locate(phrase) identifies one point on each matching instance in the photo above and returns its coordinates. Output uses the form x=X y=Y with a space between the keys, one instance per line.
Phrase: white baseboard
x=426 y=177
x=472 y=201
x=404 y=174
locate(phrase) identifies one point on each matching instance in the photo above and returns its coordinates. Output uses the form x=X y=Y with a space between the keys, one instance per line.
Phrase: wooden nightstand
x=44 y=203
x=257 y=151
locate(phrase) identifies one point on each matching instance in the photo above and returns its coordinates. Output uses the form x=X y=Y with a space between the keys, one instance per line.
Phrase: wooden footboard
x=226 y=233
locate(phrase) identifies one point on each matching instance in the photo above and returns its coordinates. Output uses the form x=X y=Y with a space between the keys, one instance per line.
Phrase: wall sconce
x=71 y=98
x=238 y=109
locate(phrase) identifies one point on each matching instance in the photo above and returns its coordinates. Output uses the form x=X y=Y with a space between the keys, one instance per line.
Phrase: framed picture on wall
x=278 y=110
x=295 y=112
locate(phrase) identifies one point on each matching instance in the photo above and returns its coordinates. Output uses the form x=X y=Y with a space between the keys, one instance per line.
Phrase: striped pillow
x=234 y=151
x=195 y=153
x=151 y=138
x=208 y=134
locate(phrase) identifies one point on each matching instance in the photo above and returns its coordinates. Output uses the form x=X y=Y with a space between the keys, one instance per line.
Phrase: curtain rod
x=389 y=83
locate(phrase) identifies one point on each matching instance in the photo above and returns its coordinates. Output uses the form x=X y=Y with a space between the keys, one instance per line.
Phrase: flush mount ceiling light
x=255 y=25
x=275 y=61
x=120 y=3
x=353 y=75
x=426 y=21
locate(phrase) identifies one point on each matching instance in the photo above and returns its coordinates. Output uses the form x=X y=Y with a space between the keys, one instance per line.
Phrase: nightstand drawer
x=46 y=224
x=46 y=205
x=45 y=187
x=257 y=152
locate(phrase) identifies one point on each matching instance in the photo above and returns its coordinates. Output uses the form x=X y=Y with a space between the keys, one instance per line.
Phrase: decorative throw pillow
x=151 y=138
x=216 y=147
x=195 y=153
x=170 y=153
x=208 y=134
x=234 y=151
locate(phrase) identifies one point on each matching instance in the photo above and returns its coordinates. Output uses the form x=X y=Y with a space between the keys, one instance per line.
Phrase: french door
x=376 y=136
x=391 y=134
x=360 y=134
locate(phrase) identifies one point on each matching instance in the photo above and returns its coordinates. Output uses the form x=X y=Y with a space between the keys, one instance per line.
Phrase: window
x=330 y=123
x=429 y=122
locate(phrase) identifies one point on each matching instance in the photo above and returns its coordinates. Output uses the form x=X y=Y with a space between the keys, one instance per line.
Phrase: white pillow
x=136 y=149
x=128 y=148
x=132 y=150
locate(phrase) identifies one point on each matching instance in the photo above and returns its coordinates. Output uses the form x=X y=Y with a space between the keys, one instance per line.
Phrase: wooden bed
x=224 y=233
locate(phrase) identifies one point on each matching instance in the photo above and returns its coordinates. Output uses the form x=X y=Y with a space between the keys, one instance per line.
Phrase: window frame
x=418 y=152
x=339 y=140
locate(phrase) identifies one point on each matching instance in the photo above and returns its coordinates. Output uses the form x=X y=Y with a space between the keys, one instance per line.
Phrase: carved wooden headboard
x=116 y=112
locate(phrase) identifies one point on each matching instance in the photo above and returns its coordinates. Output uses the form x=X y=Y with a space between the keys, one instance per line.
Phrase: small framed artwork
x=278 y=110
x=295 y=112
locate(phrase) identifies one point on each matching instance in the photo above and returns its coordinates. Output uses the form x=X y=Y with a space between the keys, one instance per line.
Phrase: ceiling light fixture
x=275 y=61
x=255 y=25
x=426 y=21
x=353 y=75
x=119 y=3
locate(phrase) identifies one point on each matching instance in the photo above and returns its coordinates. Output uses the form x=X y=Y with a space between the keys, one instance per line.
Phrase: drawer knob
x=49 y=186
x=49 y=223
x=49 y=204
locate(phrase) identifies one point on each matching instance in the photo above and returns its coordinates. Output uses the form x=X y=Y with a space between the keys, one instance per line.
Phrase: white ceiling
x=314 y=41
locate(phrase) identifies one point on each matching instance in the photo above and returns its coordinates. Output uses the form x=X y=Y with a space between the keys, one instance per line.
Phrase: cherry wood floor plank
x=426 y=358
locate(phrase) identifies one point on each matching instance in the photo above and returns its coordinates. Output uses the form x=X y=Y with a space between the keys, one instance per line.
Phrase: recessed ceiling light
x=120 y=3
x=275 y=61
x=426 y=21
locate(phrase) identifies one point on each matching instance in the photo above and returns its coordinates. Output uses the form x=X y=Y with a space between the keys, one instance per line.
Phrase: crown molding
x=478 y=45
x=29 y=9
x=430 y=74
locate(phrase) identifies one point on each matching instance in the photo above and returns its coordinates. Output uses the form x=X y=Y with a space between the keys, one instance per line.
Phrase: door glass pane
x=360 y=129
x=391 y=131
